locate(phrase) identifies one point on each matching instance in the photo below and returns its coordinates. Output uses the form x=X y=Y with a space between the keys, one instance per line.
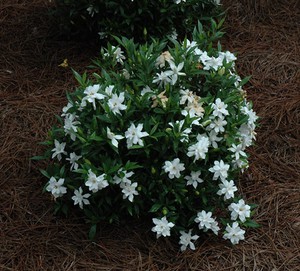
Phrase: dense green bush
x=161 y=129
x=131 y=18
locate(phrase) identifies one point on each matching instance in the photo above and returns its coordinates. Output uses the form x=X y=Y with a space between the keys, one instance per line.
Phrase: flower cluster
x=139 y=19
x=161 y=129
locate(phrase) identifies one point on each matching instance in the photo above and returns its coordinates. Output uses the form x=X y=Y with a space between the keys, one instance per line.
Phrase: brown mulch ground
x=265 y=34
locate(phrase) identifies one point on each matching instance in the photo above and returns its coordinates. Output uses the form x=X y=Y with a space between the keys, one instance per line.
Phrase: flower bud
x=165 y=211
x=221 y=71
x=205 y=123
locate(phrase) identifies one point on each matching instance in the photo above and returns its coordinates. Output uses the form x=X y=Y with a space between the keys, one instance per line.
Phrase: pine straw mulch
x=265 y=34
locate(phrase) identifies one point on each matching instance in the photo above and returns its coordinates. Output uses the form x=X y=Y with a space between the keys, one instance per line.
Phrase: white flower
x=213 y=138
x=230 y=57
x=186 y=95
x=186 y=240
x=71 y=122
x=206 y=222
x=115 y=103
x=173 y=168
x=118 y=53
x=204 y=57
x=92 y=10
x=92 y=95
x=252 y=117
x=126 y=74
x=66 y=109
x=173 y=34
x=239 y=210
x=70 y=126
x=102 y=35
x=80 y=199
x=199 y=149
x=204 y=219
x=247 y=135
x=218 y=125
x=191 y=114
x=227 y=189
x=190 y=44
x=237 y=150
x=237 y=79
x=214 y=63
x=56 y=187
x=220 y=170
x=134 y=135
x=214 y=227
x=145 y=90
x=73 y=159
x=162 y=78
x=198 y=52
x=194 y=179
x=219 y=108
x=234 y=233
x=179 y=1
x=175 y=71
x=109 y=89
x=122 y=176
x=184 y=134
x=162 y=227
x=59 y=149
x=211 y=62
x=240 y=164
x=114 y=138
x=95 y=183
x=128 y=190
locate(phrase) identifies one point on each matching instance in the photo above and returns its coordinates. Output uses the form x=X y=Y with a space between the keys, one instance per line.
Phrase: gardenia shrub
x=162 y=130
x=131 y=18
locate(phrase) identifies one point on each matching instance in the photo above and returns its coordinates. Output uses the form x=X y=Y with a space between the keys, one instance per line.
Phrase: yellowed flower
x=199 y=66
x=64 y=64
x=161 y=98
x=195 y=107
x=161 y=60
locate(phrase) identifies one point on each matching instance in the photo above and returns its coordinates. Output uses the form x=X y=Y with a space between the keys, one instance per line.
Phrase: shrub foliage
x=131 y=18
x=160 y=129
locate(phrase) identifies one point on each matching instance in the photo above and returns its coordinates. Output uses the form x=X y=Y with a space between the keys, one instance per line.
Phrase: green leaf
x=251 y=224
x=230 y=99
x=45 y=173
x=204 y=198
x=77 y=77
x=62 y=171
x=134 y=147
x=245 y=80
x=46 y=143
x=155 y=207
x=37 y=158
x=129 y=209
x=96 y=138
x=104 y=118
x=153 y=130
x=92 y=232
x=132 y=165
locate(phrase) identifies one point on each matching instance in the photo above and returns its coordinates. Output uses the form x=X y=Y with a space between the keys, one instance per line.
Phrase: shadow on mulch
x=265 y=34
